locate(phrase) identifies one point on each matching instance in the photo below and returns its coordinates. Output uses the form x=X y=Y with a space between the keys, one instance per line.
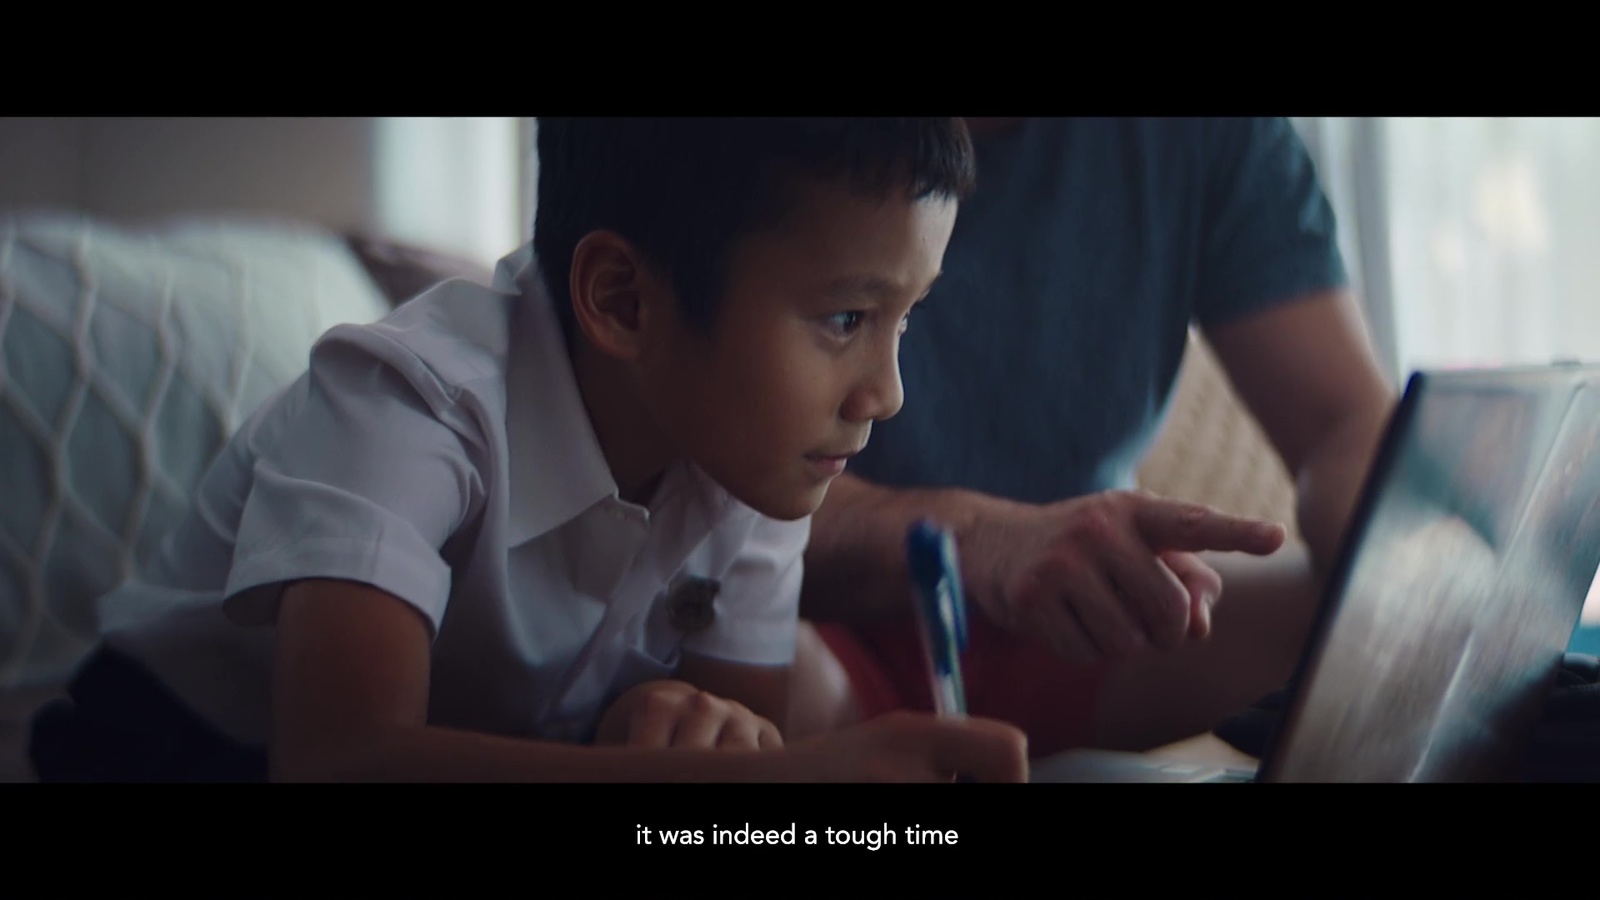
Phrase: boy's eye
x=845 y=323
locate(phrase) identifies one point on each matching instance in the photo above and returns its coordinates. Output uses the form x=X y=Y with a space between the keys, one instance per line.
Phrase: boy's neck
x=634 y=450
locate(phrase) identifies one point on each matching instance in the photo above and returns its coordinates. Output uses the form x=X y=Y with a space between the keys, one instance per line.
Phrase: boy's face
x=804 y=353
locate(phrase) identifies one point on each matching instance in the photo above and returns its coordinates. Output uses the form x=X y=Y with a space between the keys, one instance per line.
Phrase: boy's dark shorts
x=119 y=723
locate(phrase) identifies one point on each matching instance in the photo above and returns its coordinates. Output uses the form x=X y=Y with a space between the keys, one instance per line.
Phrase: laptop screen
x=1462 y=580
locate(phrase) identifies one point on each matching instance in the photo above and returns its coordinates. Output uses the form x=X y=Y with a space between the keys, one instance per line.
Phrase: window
x=453 y=184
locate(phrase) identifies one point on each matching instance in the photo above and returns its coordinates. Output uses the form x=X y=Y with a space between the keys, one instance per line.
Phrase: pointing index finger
x=1192 y=527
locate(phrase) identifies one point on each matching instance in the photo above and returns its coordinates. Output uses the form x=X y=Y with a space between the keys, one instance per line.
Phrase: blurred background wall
x=459 y=185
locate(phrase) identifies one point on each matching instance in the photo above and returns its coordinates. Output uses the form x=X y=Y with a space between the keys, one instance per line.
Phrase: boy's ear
x=615 y=294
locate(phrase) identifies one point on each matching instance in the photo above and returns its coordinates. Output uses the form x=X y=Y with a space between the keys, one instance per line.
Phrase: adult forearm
x=855 y=564
x=1330 y=482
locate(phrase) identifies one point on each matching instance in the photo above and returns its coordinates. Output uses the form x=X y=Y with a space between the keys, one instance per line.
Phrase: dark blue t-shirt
x=1041 y=364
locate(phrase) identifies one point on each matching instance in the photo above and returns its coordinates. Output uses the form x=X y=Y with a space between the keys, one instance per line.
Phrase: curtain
x=1473 y=241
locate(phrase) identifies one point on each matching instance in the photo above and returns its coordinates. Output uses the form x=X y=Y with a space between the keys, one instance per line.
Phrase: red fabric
x=1007 y=678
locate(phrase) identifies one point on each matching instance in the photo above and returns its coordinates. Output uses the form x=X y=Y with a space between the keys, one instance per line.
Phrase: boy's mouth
x=831 y=463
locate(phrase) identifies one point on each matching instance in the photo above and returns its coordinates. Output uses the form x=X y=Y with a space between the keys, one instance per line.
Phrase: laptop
x=1458 y=587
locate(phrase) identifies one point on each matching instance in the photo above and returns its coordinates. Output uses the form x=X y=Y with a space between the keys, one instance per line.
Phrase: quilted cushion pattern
x=127 y=358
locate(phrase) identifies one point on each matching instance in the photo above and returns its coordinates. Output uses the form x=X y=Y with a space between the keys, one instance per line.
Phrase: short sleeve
x=758 y=607
x=359 y=479
x=1268 y=233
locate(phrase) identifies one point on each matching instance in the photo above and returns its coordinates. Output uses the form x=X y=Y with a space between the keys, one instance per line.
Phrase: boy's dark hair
x=683 y=190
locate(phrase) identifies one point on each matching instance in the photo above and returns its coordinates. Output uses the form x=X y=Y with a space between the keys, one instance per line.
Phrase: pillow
x=403 y=271
x=127 y=358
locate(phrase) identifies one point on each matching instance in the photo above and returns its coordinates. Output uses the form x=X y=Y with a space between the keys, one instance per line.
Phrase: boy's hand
x=917 y=747
x=670 y=713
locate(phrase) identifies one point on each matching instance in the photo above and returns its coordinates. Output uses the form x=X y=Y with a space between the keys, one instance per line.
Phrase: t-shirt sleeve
x=1268 y=233
x=362 y=481
x=758 y=607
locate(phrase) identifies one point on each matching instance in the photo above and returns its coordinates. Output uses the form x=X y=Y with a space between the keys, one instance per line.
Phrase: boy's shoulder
x=460 y=338
x=459 y=331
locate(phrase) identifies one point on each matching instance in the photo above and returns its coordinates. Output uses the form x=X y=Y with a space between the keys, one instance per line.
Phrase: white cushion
x=126 y=360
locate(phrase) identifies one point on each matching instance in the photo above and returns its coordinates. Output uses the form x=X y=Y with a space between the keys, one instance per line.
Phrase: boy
x=502 y=524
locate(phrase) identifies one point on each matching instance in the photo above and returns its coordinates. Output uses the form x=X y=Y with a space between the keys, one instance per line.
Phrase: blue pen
x=931 y=554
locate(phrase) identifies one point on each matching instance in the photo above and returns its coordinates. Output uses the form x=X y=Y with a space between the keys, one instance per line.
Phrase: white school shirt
x=444 y=455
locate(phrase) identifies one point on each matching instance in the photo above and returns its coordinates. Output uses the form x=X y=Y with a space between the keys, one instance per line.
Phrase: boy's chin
x=786 y=505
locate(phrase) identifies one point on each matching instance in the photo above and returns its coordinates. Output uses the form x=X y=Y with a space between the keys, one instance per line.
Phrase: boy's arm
x=350 y=693
x=350 y=701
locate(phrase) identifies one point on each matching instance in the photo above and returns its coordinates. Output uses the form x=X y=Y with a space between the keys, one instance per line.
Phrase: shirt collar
x=555 y=465
x=557 y=470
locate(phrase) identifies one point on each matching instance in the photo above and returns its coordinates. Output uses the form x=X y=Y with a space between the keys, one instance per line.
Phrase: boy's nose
x=880 y=395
